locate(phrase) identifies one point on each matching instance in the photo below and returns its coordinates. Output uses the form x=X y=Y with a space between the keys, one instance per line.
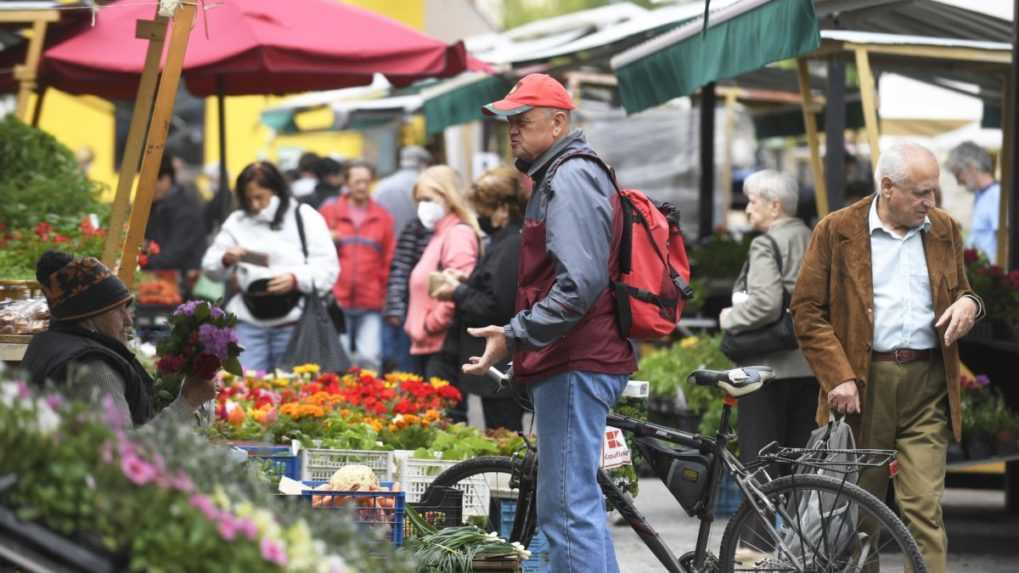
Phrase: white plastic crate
x=415 y=475
x=319 y=464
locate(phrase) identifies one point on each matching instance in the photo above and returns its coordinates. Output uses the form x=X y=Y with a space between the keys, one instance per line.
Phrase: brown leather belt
x=904 y=355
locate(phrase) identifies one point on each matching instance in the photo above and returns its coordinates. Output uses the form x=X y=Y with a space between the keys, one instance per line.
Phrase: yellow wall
x=83 y=121
x=79 y=121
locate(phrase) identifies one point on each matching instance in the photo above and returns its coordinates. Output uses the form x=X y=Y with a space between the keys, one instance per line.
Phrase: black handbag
x=268 y=306
x=315 y=339
x=777 y=336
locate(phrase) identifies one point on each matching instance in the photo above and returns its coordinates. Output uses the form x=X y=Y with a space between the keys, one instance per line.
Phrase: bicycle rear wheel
x=821 y=524
x=492 y=494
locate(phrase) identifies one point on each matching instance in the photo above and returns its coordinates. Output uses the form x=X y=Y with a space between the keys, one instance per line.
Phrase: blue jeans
x=571 y=409
x=364 y=329
x=264 y=347
x=396 y=349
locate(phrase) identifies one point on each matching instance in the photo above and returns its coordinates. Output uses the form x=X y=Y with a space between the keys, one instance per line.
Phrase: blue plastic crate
x=370 y=517
x=539 y=561
x=282 y=458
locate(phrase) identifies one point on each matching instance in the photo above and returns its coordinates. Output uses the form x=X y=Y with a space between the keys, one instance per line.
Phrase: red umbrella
x=247 y=47
x=244 y=47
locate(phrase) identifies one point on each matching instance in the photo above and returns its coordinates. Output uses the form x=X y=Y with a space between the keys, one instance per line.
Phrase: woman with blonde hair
x=454 y=246
x=488 y=295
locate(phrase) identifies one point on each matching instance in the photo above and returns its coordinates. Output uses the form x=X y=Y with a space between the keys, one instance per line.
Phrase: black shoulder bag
x=777 y=336
x=315 y=340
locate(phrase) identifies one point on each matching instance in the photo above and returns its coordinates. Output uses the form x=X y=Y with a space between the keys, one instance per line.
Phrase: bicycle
x=808 y=521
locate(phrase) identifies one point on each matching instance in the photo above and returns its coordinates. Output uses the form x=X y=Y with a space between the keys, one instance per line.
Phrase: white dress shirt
x=903 y=304
x=285 y=256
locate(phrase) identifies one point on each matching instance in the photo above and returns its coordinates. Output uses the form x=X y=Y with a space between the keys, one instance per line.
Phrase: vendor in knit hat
x=83 y=352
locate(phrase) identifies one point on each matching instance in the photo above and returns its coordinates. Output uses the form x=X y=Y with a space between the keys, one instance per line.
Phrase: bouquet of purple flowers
x=201 y=343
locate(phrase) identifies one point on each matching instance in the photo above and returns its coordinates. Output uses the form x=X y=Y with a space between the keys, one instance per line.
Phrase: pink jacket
x=453 y=246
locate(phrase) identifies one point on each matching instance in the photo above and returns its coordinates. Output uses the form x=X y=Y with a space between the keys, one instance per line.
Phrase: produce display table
x=12 y=346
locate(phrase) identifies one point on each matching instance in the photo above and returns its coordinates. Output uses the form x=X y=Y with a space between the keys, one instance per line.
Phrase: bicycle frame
x=718 y=446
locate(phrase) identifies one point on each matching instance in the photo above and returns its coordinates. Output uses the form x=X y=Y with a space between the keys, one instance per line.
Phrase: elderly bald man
x=880 y=302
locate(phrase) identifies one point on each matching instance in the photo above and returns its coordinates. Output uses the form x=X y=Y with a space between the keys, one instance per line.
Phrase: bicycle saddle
x=736 y=382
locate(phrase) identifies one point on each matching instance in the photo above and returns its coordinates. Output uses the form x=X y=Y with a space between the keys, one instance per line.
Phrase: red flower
x=43 y=230
x=970 y=256
x=143 y=260
x=170 y=363
x=58 y=238
x=206 y=366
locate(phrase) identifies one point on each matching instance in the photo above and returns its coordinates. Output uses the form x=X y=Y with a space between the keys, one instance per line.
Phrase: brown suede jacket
x=833 y=304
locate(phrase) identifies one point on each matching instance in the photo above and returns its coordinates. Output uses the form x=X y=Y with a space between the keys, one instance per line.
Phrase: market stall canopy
x=738 y=38
x=242 y=47
x=580 y=39
x=352 y=108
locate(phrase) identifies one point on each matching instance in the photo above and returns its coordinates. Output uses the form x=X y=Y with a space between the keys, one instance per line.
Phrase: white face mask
x=269 y=212
x=429 y=213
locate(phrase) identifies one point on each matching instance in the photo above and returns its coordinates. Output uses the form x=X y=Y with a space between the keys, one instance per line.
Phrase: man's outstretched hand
x=495 y=350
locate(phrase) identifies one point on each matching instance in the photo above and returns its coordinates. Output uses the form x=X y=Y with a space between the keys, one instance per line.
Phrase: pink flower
x=54 y=401
x=247 y=528
x=111 y=414
x=137 y=470
x=23 y=392
x=182 y=482
x=273 y=552
x=204 y=505
x=227 y=526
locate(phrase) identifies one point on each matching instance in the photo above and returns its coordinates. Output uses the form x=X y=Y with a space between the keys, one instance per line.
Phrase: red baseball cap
x=533 y=90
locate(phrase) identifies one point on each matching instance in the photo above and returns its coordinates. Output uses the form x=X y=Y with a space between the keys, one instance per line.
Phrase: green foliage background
x=40 y=178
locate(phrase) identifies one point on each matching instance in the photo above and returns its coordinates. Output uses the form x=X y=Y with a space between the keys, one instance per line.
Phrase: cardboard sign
x=614 y=452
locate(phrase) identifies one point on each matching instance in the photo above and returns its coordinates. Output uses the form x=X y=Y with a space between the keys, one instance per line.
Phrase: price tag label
x=614 y=452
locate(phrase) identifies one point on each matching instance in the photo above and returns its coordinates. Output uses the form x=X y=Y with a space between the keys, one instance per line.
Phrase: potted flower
x=999 y=291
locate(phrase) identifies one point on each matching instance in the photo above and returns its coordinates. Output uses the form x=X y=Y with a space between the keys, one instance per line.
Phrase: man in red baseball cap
x=564 y=339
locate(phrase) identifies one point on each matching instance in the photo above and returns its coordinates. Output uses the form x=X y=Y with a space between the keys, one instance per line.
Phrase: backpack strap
x=629 y=213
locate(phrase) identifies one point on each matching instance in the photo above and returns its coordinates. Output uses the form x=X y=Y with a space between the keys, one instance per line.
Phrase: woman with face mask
x=454 y=246
x=260 y=247
x=488 y=295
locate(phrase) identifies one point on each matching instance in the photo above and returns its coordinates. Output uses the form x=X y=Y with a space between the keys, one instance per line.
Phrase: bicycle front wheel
x=819 y=524
x=492 y=496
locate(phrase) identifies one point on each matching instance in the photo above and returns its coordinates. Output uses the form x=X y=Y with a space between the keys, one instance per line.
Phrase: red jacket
x=365 y=252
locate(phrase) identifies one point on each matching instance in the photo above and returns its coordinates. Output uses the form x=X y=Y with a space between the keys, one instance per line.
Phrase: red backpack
x=652 y=286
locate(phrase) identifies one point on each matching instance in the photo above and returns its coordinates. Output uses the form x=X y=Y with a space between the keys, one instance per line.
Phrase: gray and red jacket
x=569 y=249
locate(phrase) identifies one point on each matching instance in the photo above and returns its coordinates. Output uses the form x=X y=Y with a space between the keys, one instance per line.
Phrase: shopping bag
x=315 y=340
x=822 y=520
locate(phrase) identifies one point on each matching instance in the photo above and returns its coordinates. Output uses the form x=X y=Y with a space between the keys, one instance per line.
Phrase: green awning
x=462 y=104
x=742 y=37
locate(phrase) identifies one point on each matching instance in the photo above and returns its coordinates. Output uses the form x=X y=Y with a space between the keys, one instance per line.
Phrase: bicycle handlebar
x=736 y=382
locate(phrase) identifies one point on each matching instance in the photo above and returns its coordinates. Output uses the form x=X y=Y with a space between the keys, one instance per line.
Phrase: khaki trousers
x=906 y=410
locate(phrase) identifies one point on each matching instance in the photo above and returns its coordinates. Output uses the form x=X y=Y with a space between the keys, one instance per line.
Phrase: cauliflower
x=353 y=477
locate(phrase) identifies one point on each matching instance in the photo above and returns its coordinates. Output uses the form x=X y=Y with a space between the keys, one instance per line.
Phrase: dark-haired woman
x=260 y=244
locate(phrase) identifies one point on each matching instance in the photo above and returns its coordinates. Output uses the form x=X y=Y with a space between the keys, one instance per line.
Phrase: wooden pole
x=868 y=92
x=28 y=73
x=729 y=127
x=810 y=124
x=40 y=97
x=156 y=140
x=155 y=32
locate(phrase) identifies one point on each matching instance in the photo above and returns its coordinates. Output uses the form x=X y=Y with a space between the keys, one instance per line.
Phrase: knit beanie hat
x=78 y=287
